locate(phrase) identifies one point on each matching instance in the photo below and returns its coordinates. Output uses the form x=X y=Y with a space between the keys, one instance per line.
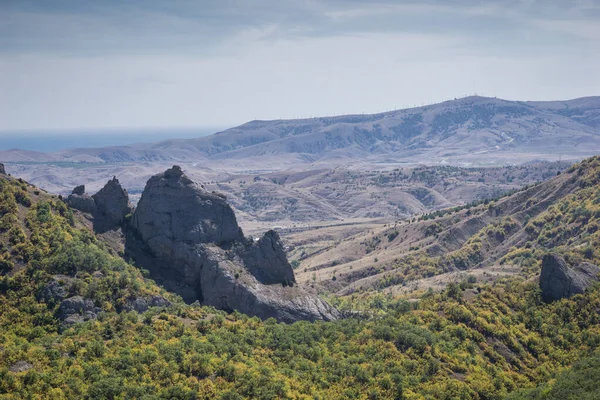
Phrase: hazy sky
x=67 y=64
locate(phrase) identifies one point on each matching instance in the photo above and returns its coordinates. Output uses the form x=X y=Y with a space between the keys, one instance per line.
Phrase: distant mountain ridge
x=468 y=129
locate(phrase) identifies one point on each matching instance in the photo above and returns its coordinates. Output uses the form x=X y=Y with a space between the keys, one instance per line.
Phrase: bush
x=76 y=256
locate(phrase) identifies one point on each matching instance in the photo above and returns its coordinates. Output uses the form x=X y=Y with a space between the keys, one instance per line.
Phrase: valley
x=354 y=264
x=458 y=311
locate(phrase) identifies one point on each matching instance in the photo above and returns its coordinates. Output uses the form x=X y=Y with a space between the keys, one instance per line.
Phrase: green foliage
x=75 y=256
x=443 y=346
x=577 y=383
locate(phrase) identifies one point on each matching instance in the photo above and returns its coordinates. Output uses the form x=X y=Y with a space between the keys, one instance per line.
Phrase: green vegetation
x=577 y=383
x=446 y=345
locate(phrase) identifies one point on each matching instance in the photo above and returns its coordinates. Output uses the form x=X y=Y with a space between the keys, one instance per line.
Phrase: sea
x=55 y=140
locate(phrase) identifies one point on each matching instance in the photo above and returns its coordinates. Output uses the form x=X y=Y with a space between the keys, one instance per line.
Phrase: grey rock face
x=558 y=280
x=268 y=262
x=52 y=293
x=191 y=243
x=76 y=309
x=79 y=190
x=175 y=209
x=2 y=170
x=112 y=202
x=142 y=304
x=20 y=366
x=82 y=202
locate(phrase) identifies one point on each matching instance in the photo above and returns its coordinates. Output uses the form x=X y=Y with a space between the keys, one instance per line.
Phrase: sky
x=89 y=64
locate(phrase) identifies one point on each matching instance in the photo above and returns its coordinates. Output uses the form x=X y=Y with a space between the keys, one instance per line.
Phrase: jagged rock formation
x=175 y=209
x=79 y=190
x=79 y=200
x=558 y=280
x=112 y=202
x=109 y=206
x=2 y=170
x=190 y=241
x=267 y=260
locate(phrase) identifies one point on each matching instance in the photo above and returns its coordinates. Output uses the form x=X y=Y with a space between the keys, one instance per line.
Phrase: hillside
x=311 y=195
x=489 y=240
x=465 y=128
x=122 y=336
x=471 y=130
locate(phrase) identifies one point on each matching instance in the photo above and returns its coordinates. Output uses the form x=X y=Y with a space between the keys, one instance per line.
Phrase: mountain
x=469 y=127
x=78 y=321
x=468 y=130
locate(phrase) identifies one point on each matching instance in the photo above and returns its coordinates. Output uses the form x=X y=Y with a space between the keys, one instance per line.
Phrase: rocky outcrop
x=558 y=280
x=173 y=209
x=53 y=292
x=112 y=202
x=76 y=309
x=20 y=366
x=81 y=201
x=2 y=170
x=189 y=240
x=109 y=206
x=267 y=260
x=79 y=190
x=142 y=304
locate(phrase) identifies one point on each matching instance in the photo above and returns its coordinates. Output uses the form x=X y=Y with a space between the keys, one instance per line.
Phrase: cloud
x=152 y=26
x=71 y=64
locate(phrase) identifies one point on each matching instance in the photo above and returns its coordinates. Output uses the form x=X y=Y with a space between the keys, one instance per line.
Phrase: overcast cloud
x=183 y=63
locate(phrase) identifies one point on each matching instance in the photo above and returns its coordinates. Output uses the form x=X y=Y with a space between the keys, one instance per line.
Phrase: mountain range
x=466 y=131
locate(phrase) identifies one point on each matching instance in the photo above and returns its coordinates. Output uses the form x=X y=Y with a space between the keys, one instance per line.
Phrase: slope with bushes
x=471 y=341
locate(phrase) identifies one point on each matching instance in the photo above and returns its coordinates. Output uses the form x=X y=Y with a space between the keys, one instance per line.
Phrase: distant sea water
x=50 y=141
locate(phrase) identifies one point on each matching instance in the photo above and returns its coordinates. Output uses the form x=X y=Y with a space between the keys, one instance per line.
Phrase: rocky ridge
x=189 y=240
x=109 y=206
x=558 y=280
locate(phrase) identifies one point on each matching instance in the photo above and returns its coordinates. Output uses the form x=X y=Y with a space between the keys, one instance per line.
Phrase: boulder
x=112 y=202
x=558 y=280
x=189 y=240
x=79 y=190
x=142 y=304
x=76 y=309
x=53 y=292
x=2 y=170
x=20 y=366
x=82 y=202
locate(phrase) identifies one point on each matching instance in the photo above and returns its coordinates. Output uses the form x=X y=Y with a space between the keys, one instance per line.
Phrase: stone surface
x=20 y=366
x=79 y=190
x=190 y=242
x=53 y=292
x=268 y=262
x=112 y=202
x=558 y=280
x=82 y=202
x=76 y=309
x=142 y=304
x=175 y=209
x=2 y=170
